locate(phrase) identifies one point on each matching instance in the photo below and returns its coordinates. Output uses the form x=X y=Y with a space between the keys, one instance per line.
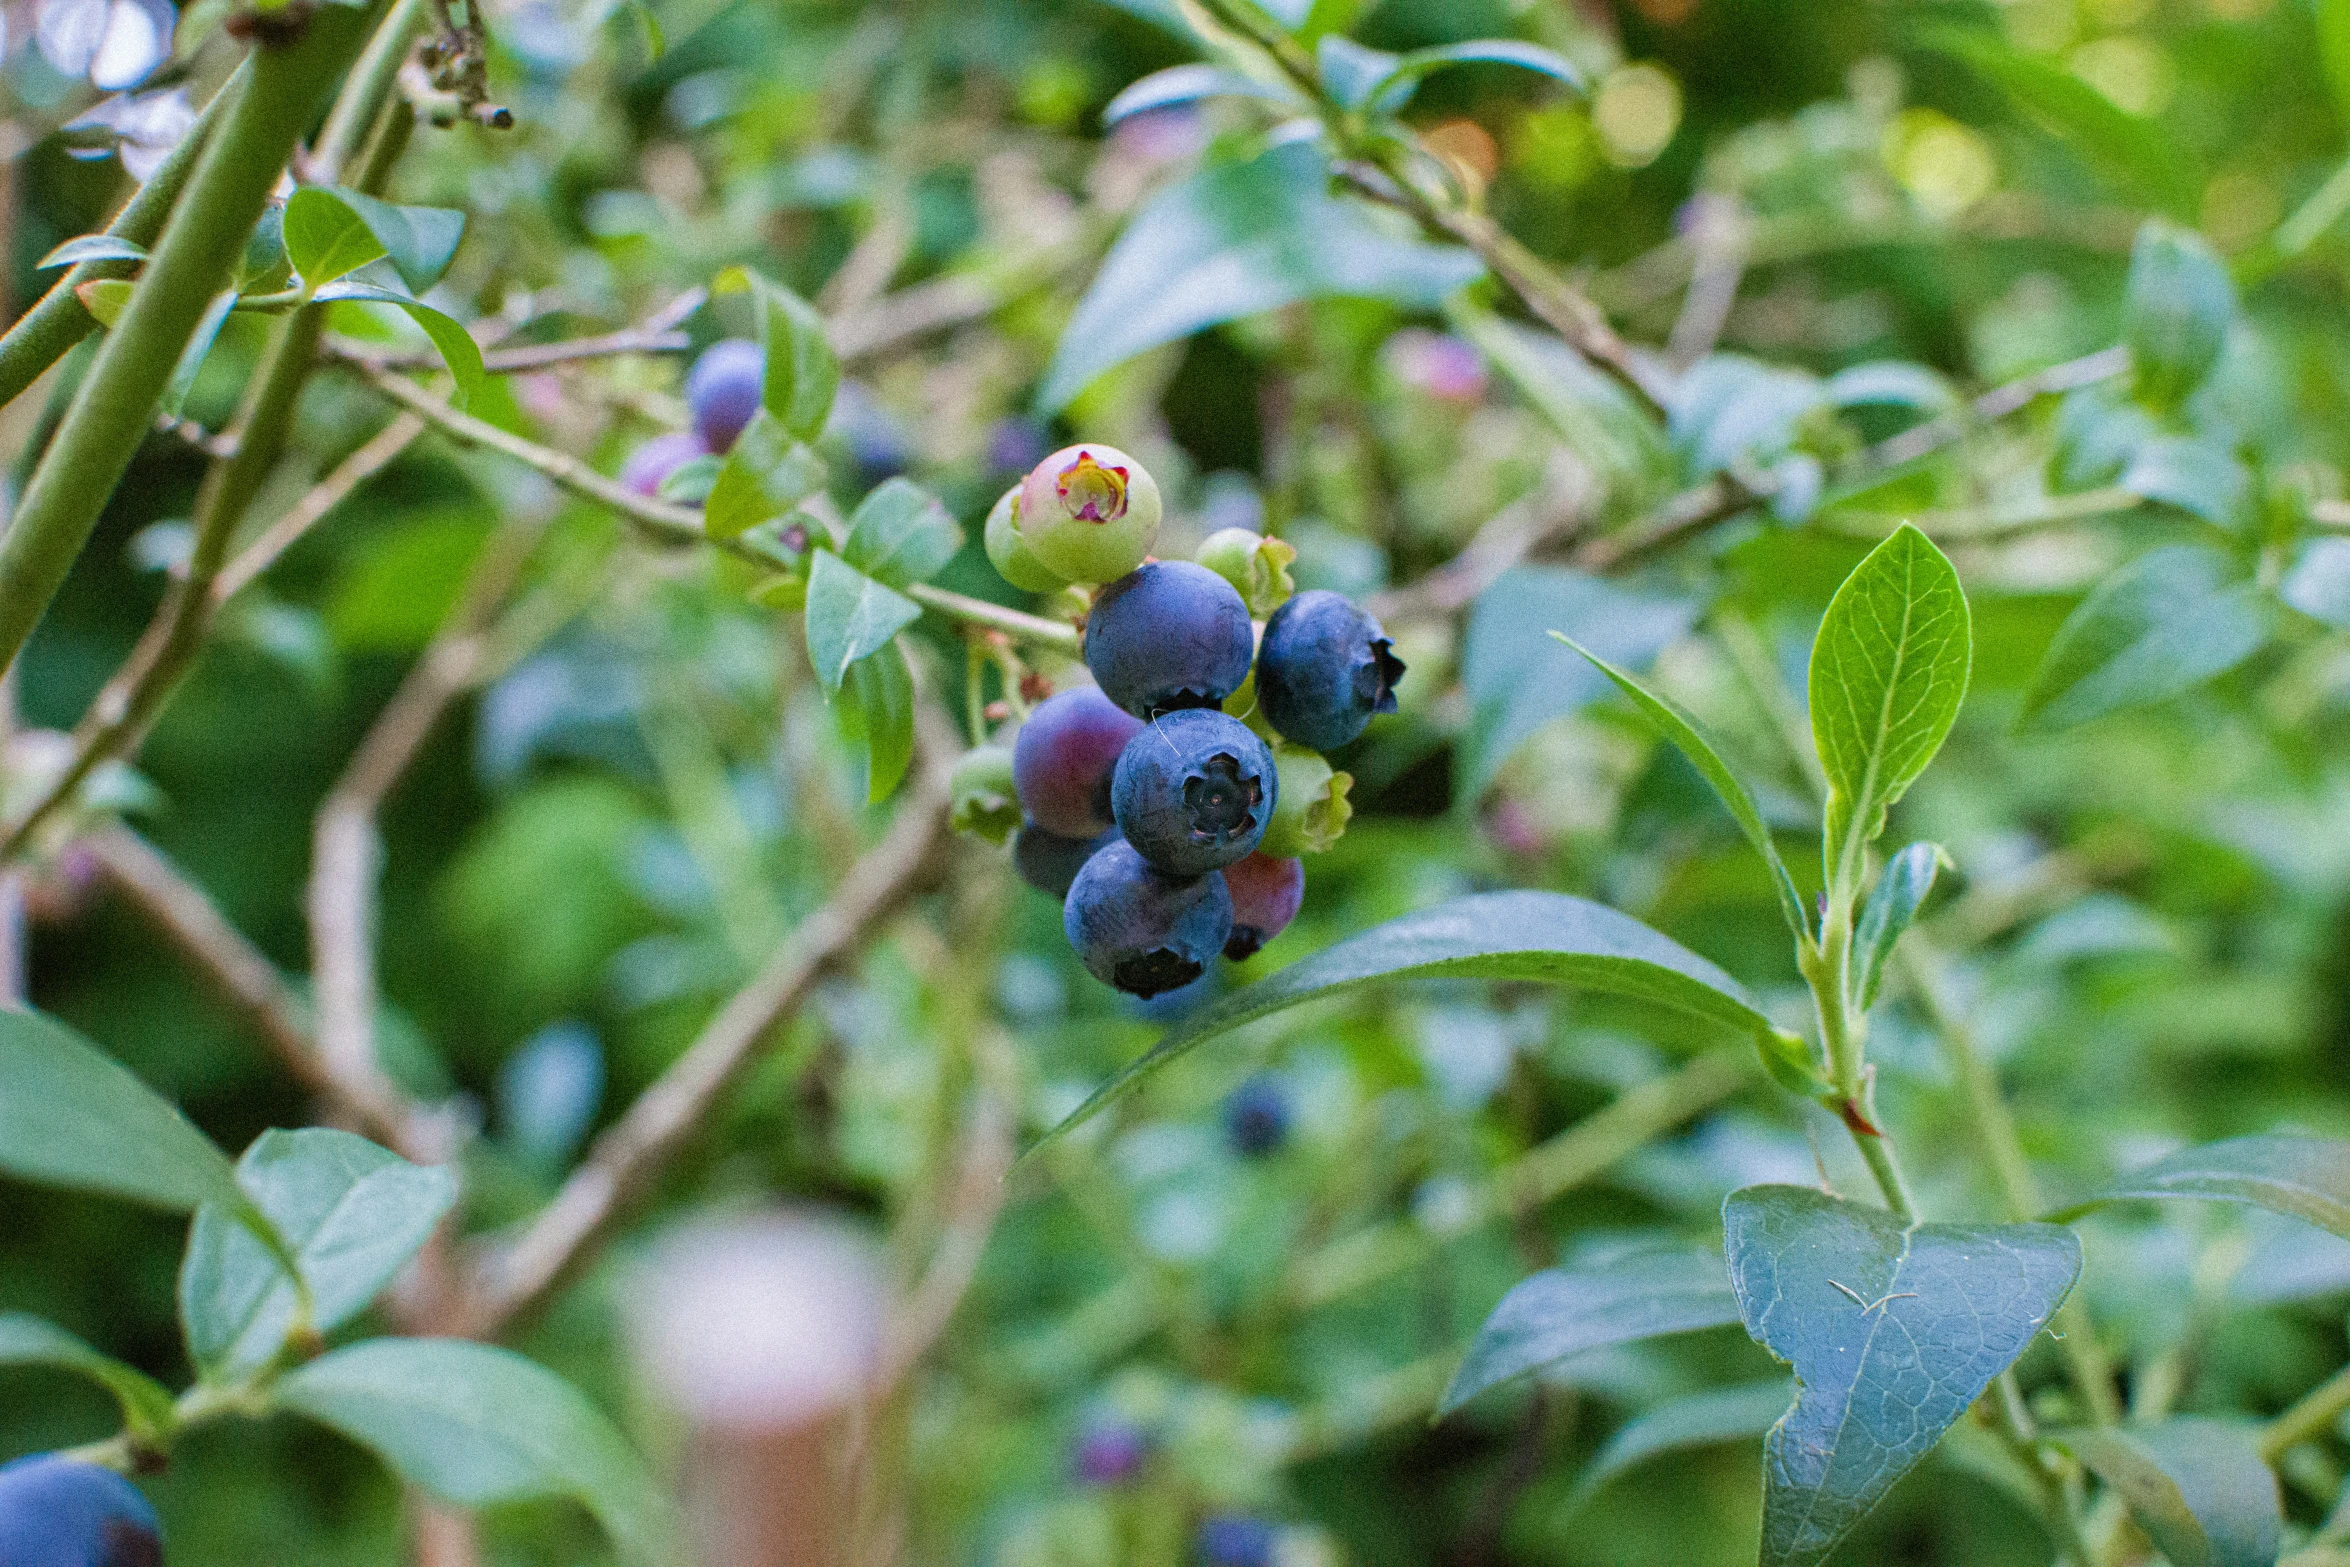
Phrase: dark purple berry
x=1324 y=669
x=1063 y=757
x=1256 y=1117
x=653 y=462
x=1108 y=1451
x=1048 y=861
x=61 y=1512
x=1236 y=1540
x=1193 y=791
x=1141 y=930
x=1168 y=635
x=1266 y=894
x=723 y=390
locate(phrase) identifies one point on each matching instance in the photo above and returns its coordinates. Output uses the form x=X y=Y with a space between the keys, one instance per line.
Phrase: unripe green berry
x=980 y=787
x=1242 y=704
x=1310 y=809
x=1252 y=563
x=1089 y=513
x=1012 y=558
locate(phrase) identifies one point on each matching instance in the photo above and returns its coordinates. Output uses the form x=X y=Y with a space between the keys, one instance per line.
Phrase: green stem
x=42 y=334
x=116 y=402
x=1033 y=629
x=2312 y=1417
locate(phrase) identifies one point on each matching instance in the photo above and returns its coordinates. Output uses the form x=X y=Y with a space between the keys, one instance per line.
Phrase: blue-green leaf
x=92 y=247
x=900 y=533
x=849 y=616
x=2319 y=583
x=802 y=374
x=479 y=1426
x=1611 y=1300
x=1901 y=888
x=1541 y=936
x=1706 y=1419
x=71 y=1116
x=421 y=241
x=1893 y=383
x=325 y=237
x=2163 y=624
x=2200 y=477
x=2176 y=311
x=2306 y=1178
x=766 y=473
x=1893 y=1330
x=456 y=346
x=1889 y=669
x=29 y=1341
x=1179 y=84
x=2197 y=1486
x=1233 y=240
x=1351 y=73
x=876 y=711
x=1395 y=89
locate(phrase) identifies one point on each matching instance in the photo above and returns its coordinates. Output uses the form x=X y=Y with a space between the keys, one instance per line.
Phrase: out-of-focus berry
x=1170 y=635
x=1108 y=1451
x=1441 y=365
x=1141 y=930
x=1236 y=1540
x=1266 y=895
x=1015 y=445
x=658 y=458
x=985 y=801
x=1325 y=667
x=61 y=1512
x=1063 y=758
x=1256 y=1117
x=723 y=390
x=1193 y=791
x=1089 y=512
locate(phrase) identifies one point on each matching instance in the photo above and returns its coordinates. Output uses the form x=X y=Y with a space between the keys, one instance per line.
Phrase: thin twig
x=1507 y=538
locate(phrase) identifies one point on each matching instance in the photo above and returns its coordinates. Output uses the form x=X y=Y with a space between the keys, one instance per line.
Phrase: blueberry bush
x=1271 y=783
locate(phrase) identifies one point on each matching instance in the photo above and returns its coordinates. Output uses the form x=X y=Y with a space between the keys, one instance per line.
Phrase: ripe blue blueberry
x=1256 y=1117
x=644 y=470
x=1236 y=1540
x=1193 y=791
x=1048 y=861
x=1063 y=757
x=723 y=390
x=60 y=1512
x=1324 y=669
x=1266 y=894
x=1168 y=635
x=1140 y=929
x=1108 y=1451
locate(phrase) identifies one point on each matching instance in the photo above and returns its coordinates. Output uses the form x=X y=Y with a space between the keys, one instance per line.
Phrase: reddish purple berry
x=1108 y=1452
x=1266 y=894
x=1168 y=635
x=1063 y=757
x=1141 y=930
x=1194 y=790
x=724 y=388
x=653 y=462
x=1324 y=669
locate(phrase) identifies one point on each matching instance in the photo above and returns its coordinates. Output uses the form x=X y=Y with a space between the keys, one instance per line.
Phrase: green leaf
x=1892 y=383
x=877 y=712
x=1352 y=73
x=1519 y=679
x=849 y=616
x=1232 y=240
x=2163 y=624
x=1906 y=880
x=2132 y=151
x=648 y=27
x=1888 y=671
x=802 y=374
x=29 y=1341
x=1893 y=1330
x=105 y=299
x=1541 y=936
x=457 y=348
x=2201 y=477
x=71 y=1116
x=351 y=1213
x=1677 y=726
x=2319 y=583
x=2176 y=311
x=91 y=247
x=325 y=236
x=2197 y=1486
x=1180 y=84
x=2333 y=52
x=421 y=241
x=1706 y=1419
x=2305 y=1178
x=191 y=359
x=900 y=533
x=1564 y=1311
x=1395 y=89
x=1595 y=416
x=478 y=1426
x=766 y=474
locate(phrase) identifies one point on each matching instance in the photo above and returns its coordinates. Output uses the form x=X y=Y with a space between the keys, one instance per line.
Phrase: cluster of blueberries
x=60 y=1512
x=1167 y=803
x=722 y=393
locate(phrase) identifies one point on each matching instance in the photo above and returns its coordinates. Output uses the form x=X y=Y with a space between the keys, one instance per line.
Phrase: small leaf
x=2176 y=312
x=1706 y=1419
x=1180 y=84
x=421 y=241
x=2163 y=624
x=325 y=237
x=478 y=1426
x=1395 y=89
x=765 y=475
x=2306 y=1178
x=1888 y=672
x=352 y=1215
x=802 y=374
x=29 y=1341
x=92 y=247
x=1902 y=887
x=900 y=533
x=877 y=712
x=2333 y=52
x=1565 y=1311
x=2197 y=1486
x=1893 y=1330
x=1892 y=383
x=105 y=299
x=649 y=31
x=849 y=616
x=1544 y=936
x=71 y=1116
x=264 y=267
x=2200 y=477
x=1681 y=729
x=457 y=348
x=191 y=359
